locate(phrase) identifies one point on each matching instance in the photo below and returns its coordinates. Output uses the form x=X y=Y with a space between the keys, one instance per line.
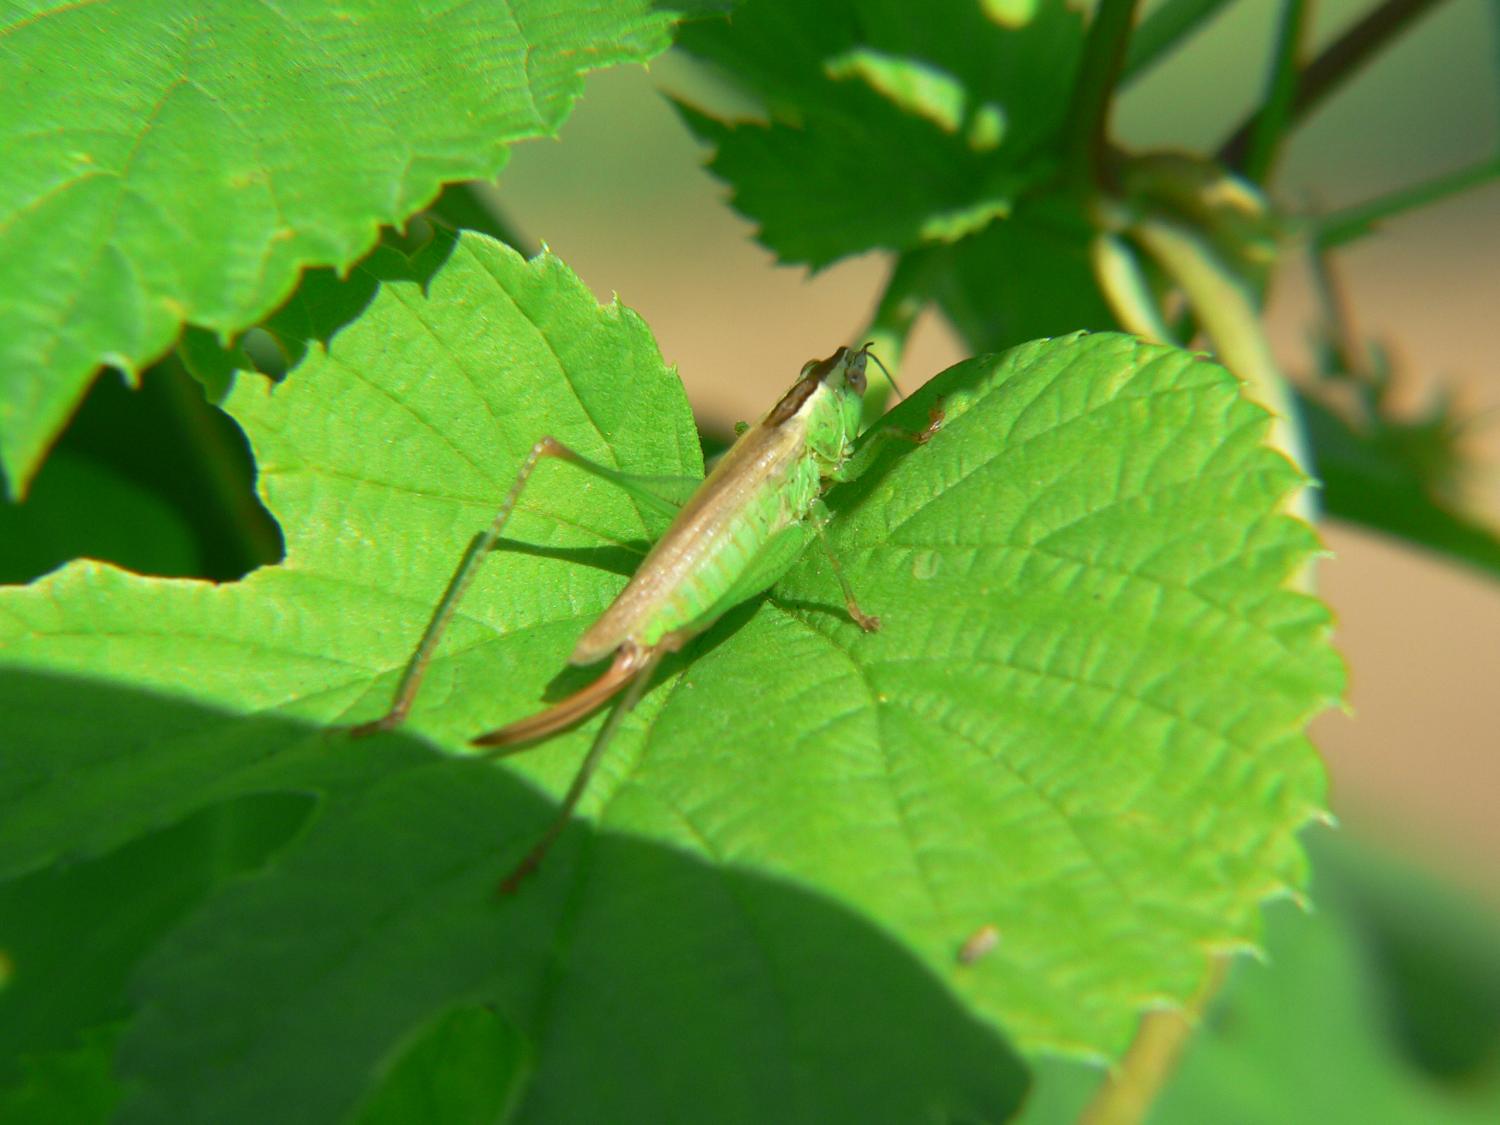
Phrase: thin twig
x=1332 y=68
x=1355 y=222
x=1273 y=124
x=1098 y=72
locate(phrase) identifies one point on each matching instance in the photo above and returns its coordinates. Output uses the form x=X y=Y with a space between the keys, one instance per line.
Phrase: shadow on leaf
x=647 y=983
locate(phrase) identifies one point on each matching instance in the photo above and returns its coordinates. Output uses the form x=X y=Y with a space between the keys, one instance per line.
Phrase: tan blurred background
x=624 y=201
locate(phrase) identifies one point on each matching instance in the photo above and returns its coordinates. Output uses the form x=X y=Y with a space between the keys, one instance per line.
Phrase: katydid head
x=823 y=383
x=828 y=398
x=825 y=404
x=844 y=368
x=827 y=401
x=850 y=363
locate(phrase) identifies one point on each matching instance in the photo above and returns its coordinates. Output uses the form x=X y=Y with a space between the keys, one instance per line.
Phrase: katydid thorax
x=736 y=535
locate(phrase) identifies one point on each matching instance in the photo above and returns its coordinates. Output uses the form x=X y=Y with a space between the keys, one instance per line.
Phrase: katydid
x=738 y=533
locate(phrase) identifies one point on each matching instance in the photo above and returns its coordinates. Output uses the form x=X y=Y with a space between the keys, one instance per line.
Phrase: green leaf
x=1380 y=1004
x=1398 y=476
x=1081 y=724
x=181 y=163
x=886 y=127
x=1307 y=1036
x=73 y=1086
x=113 y=909
x=1432 y=948
x=467 y=1067
x=81 y=508
x=323 y=304
x=1027 y=277
x=152 y=478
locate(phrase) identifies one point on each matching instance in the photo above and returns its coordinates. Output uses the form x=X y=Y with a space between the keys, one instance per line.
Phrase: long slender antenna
x=888 y=377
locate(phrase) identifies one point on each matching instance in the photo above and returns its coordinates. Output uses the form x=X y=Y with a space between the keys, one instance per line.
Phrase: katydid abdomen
x=725 y=546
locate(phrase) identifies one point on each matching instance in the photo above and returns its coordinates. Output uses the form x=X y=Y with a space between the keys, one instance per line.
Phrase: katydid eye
x=856 y=379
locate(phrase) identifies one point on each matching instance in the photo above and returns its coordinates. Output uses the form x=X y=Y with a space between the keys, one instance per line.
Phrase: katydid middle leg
x=866 y=621
x=857 y=465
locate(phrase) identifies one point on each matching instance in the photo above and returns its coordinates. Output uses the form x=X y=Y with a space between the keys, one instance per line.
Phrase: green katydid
x=736 y=535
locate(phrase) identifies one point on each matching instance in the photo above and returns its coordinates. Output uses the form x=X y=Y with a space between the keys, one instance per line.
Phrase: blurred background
x=621 y=196
x=156 y=482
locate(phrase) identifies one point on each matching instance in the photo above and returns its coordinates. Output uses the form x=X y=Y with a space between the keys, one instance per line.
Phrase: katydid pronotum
x=738 y=533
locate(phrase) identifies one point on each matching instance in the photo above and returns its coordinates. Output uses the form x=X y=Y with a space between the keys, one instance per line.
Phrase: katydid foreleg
x=861 y=459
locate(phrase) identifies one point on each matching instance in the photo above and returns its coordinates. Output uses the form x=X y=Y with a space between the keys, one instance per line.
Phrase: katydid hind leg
x=514 y=737
x=640 y=679
x=463 y=578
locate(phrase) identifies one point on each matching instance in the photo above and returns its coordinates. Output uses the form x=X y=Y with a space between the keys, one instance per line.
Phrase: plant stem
x=1332 y=68
x=1355 y=222
x=1337 y=317
x=907 y=292
x=1126 y=289
x=1098 y=72
x=1162 y=30
x=1225 y=306
x=1272 y=123
x=1125 y=1097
